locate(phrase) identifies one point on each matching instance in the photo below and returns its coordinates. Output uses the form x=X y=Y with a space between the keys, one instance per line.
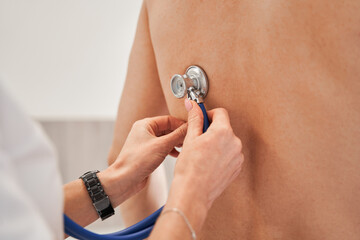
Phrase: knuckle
x=145 y=120
x=182 y=131
x=222 y=111
x=238 y=143
x=219 y=129
x=141 y=123
x=224 y=130
x=136 y=123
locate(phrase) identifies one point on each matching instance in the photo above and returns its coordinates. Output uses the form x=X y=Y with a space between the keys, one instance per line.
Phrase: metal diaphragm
x=178 y=86
x=195 y=78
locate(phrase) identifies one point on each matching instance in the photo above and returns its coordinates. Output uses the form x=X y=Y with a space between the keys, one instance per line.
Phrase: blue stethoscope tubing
x=138 y=231
x=206 y=119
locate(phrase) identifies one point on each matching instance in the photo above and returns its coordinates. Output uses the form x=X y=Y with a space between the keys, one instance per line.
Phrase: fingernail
x=188 y=105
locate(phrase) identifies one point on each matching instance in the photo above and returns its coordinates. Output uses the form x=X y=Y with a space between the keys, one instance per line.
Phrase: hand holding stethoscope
x=150 y=140
x=207 y=164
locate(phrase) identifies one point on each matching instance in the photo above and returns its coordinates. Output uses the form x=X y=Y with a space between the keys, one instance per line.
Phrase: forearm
x=78 y=204
x=188 y=199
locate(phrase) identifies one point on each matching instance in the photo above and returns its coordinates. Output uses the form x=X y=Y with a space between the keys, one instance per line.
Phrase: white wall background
x=66 y=59
x=65 y=62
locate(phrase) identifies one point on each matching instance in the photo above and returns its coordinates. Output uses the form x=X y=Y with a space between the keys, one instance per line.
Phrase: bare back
x=288 y=72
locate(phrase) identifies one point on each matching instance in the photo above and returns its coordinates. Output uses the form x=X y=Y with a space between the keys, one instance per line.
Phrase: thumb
x=195 y=119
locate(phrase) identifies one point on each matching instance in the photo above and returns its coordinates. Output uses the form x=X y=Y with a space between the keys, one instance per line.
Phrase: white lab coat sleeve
x=19 y=218
x=31 y=199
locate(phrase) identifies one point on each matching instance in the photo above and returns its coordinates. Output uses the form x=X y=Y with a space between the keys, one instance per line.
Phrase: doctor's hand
x=148 y=143
x=207 y=164
x=209 y=161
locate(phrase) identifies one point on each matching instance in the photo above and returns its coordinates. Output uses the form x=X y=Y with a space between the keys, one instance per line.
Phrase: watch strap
x=100 y=199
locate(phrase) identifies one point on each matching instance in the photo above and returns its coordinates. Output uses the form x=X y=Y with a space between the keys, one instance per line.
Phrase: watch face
x=102 y=204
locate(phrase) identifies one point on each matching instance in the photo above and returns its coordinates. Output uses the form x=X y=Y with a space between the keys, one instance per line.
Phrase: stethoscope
x=195 y=85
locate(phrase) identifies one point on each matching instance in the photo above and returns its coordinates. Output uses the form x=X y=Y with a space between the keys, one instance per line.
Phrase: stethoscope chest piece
x=194 y=83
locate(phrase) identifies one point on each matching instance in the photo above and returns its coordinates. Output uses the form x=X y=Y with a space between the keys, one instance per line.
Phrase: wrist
x=194 y=185
x=114 y=182
x=187 y=197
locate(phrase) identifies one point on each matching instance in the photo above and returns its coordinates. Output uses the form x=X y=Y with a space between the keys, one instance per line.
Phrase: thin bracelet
x=193 y=235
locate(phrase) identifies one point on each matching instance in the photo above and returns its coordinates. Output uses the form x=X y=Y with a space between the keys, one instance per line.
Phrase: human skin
x=202 y=172
x=149 y=142
x=288 y=73
x=147 y=145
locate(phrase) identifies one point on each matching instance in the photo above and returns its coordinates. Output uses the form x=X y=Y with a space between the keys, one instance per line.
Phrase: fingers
x=163 y=124
x=175 y=138
x=174 y=153
x=218 y=116
x=170 y=132
x=195 y=119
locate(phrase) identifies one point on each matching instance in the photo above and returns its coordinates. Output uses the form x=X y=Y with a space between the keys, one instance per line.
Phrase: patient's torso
x=288 y=72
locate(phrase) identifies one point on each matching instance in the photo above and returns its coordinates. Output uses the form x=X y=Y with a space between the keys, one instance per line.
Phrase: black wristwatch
x=97 y=194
